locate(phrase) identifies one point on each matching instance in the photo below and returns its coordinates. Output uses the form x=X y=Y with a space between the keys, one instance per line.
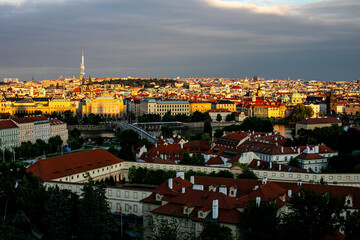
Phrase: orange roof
x=61 y=166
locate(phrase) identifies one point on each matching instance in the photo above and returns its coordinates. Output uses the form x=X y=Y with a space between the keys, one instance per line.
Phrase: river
x=284 y=130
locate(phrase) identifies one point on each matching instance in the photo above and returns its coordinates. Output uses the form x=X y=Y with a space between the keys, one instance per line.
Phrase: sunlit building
x=105 y=106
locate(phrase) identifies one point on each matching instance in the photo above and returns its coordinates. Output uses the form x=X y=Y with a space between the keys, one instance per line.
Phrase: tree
x=196 y=159
x=260 y=221
x=207 y=127
x=206 y=137
x=352 y=225
x=218 y=133
x=58 y=214
x=55 y=143
x=247 y=174
x=230 y=117
x=256 y=124
x=218 y=117
x=95 y=218
x=168 y=117
x=294 y=162
x=197 y=117
x=213 y=230
x=185 y=158
x=301 y=112
x=163 y=229
x=312 y=215
x=166 y=131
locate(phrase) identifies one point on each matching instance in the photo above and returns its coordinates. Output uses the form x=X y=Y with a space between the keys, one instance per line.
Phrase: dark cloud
x=162 y=38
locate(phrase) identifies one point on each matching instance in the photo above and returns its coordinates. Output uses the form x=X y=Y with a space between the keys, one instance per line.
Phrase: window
x=118 y=206
x=148 y=207
x=135 y=195
x=126 y=207
x=110 y=192
x=126 y=194
x=135 y=208
x=118 y=193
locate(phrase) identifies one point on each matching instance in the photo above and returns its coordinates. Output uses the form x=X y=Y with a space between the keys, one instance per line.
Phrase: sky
x=307 y=39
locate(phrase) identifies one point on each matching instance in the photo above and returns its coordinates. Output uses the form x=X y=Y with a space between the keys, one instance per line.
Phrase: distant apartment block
x=32 y=128
x=152 y=106
x=9 y=134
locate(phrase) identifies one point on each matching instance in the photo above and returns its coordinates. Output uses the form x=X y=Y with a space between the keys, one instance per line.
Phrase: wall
x=127 y=198
x=343 y=179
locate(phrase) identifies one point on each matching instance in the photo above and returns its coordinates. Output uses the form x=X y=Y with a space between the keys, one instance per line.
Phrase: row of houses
x=190 y=202
x=238 y=147
x=14 y=131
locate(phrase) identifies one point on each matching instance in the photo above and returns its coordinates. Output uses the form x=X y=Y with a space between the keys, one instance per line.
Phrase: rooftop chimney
x=223 y=190
x=215 y=209
x=270 y=166
x=258 y=200
x=183 y=190
x=181 y=145
x=299 y=183
x=289 y=192
x=282 y=149
x=198 y=187
x=279 y=167
x=192 y=179
x=258 y=163
x=180 y=174
x=170 y=183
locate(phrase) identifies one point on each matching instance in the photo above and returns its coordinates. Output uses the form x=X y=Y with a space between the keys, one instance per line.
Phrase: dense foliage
x=312 y=215
x=260 y=221
x=129 y=141
x=30 y=150
x=156 y=177
x=247 y=174
x=301 y=112
x=196 y=159
x=53 y=213
x=334 y=137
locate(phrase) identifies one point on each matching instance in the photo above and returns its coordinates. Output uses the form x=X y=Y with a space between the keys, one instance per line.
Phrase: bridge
x=143 y=134
x=156 y=126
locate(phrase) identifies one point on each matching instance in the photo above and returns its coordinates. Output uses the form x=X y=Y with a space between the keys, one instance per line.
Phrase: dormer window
x=158 y=197
x=349 y=201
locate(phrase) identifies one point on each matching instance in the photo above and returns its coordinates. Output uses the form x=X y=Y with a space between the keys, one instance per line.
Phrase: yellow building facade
x=225 y=104
x=30 y=107
x=105 y=106
x=200 y=107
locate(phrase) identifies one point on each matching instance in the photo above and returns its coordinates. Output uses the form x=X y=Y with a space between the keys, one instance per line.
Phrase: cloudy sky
x=309 y=39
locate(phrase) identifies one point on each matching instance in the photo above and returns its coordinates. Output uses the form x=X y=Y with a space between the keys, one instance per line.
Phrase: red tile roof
x=30 y=119
x=56 y=122
x=61 y=166
x=215 y=161
x=309 y=156
x=324 y=120
x=4 y=124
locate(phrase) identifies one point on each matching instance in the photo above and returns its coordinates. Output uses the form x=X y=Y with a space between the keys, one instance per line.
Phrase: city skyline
x=313 y=40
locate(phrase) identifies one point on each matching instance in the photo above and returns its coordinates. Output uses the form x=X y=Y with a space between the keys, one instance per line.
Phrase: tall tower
x=82 y=66
x=331 y=103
